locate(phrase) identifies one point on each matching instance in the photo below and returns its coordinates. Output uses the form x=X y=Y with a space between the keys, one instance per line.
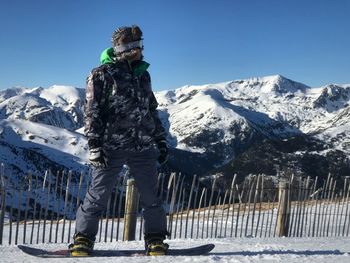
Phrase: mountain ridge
x=209 y=126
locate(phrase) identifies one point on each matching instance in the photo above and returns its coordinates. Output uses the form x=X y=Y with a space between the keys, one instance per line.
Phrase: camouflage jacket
x=120 y=108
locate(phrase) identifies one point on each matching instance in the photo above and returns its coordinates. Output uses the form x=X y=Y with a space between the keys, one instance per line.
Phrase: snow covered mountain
x=275 y=106
x=59 y=106
x=37 y=132
x=219 y=122
x=223 y=128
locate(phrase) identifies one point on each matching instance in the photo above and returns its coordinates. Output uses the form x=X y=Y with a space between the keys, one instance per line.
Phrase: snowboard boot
x=82 y=246
x=155 y=246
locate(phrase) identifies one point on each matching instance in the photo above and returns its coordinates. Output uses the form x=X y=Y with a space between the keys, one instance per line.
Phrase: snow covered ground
x=245 y=249
x=226 y=250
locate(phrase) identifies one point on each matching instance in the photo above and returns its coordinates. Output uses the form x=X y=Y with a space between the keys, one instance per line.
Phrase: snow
x=8 y=93
x=240 y=249
x=226 y=250
x=188 y=111
x=57 y=105
x=48 y=139
x=256 y=102
x=59 y=145
x=192 y=109
x=236 y=108
x=61 y=95
x=341 y=133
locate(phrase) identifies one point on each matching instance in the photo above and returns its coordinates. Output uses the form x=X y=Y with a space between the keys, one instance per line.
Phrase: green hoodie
x=108 y=57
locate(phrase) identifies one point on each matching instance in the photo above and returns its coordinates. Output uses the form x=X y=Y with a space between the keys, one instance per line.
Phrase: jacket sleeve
x=159 y=133
x=93 y=109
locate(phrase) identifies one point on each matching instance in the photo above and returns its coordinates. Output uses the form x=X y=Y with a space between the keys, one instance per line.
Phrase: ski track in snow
x=226 y=250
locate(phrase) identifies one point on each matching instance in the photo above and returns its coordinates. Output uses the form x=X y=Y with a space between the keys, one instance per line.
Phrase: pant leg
x=143 y=168
x=95 y=202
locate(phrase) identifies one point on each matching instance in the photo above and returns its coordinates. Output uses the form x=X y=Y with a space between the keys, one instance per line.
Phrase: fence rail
x=42 y=209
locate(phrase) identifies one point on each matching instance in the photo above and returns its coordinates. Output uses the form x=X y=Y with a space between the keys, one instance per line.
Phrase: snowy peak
x=333 y=97
x=22 y=106
x=194 y=111
x=276 y=84
x=63 y=96
x=231 y=114
x=208 y=125
x=60 y=106
x=37 y=130
x=253 y=87
x=227 y=113
x=281 y=84
x=8 y=93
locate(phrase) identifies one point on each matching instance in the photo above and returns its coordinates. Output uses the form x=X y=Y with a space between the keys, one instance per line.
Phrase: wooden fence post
x=283 y=216
x=131 y=207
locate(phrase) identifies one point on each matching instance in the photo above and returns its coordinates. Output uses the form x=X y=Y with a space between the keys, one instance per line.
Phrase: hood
x=108 y=57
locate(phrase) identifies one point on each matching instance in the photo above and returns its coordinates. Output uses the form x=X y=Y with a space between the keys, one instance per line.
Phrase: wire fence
x=42 y=209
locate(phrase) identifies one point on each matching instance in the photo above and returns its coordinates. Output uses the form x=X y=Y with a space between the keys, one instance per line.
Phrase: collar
x=137 y=67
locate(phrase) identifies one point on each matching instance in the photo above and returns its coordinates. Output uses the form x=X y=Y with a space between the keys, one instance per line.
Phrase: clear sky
x=187 y=42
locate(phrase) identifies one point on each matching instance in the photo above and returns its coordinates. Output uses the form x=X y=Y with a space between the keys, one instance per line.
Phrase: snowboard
x=64 y=253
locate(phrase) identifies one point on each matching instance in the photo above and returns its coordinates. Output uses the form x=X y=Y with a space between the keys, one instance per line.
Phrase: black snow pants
x=143 y=168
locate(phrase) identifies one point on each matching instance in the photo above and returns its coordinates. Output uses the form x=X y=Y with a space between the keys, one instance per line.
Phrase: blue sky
x=186 y=42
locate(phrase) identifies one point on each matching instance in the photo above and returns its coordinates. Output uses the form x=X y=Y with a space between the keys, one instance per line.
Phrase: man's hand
x=97 y=158
x=163 y=152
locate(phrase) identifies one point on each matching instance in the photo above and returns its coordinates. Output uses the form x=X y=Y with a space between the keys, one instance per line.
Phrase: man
x=122 y=127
